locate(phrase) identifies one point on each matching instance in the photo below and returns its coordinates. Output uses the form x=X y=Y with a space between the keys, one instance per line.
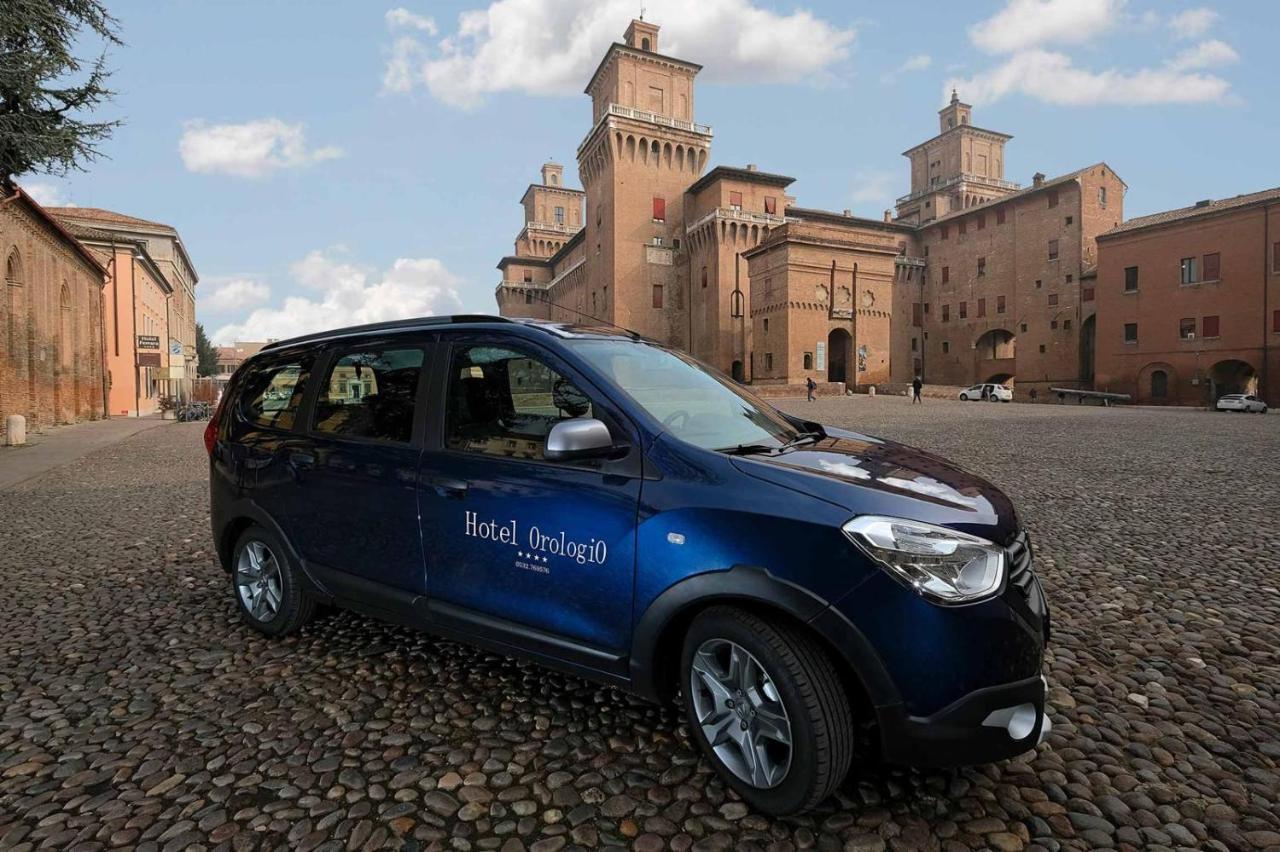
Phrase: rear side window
x=273 y=393
x=503 y=402
x=370 y=394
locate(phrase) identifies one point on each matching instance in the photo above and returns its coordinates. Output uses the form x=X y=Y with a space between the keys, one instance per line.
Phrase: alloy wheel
x=258 y=581
x=740 y=712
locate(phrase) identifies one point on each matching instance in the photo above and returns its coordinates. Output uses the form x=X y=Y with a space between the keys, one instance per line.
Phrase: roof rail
x=392 y=325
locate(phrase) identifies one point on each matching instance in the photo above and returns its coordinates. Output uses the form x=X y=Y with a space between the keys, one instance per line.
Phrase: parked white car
x=992 y=392
x=1245 y=402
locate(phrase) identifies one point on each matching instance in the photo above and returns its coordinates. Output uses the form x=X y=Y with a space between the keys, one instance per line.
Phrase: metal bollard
x=15 y=430
x=871 y=390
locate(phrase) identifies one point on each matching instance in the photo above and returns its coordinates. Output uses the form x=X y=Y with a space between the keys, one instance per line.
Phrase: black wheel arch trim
x=753 y=585
x=248 y=510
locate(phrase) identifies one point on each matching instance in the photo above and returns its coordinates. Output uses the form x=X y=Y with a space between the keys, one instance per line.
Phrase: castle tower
x=642 y=153
x=552 y=214
x=960 y=167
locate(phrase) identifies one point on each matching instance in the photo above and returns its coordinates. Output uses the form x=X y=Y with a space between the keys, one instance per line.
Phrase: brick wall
x=50 y=324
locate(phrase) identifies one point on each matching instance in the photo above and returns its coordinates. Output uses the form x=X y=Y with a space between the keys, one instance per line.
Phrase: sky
x=330 y=163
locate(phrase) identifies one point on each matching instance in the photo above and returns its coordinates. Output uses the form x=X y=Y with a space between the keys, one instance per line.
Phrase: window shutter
x=1211 y=263
x=660 y=209
x=770 y=205
x=735 y=199
x=1210 y=326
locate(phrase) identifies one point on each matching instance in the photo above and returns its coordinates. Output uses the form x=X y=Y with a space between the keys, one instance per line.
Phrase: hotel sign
x=149 y=359
x=149 y=341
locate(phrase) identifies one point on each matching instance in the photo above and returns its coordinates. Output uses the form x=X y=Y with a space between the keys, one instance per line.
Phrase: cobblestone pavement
x=137 y=712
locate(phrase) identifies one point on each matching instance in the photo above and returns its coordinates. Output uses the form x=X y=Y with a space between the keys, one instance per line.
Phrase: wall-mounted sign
x=149 y=359
x=820 y=362
x=148 y=341
x=175 y=347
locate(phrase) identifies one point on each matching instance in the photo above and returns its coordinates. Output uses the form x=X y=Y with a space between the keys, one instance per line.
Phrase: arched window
x=735 y=304
x=644 y=44
x=13 y=268
x=1159 y=384
x=65 y=297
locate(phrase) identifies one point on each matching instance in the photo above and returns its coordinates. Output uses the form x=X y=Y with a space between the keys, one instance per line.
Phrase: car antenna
x=630 y=332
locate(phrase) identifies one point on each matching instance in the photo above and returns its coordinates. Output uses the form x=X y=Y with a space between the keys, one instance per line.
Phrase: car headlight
x=943 y=565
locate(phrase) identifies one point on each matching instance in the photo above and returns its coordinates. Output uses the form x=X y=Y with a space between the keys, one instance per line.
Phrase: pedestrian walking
x=916 y=385
x=810 y=385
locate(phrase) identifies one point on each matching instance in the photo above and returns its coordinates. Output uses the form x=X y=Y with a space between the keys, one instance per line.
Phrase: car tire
x=964 y=397
x=267 y=585
x=789 y=670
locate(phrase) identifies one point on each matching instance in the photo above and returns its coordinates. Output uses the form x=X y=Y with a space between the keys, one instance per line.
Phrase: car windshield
x=692 y=402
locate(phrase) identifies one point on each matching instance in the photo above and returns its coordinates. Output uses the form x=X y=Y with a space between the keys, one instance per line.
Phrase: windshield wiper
x=802 y=437
x=749 y=449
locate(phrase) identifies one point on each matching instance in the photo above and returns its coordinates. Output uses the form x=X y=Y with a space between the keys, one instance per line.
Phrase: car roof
x=436 y=323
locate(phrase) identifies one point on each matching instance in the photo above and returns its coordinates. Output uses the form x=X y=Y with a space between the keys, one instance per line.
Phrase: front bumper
x=987 y=725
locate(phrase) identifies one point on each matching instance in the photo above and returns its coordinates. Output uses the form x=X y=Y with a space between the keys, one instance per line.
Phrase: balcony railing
x=648 y=117
x=735 y=214
x=552 y=226
x=976 y=180
x=654 y=118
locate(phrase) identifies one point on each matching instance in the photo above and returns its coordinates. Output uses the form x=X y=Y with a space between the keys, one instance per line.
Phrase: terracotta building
x=50 y=319
x=155 y=296
x=975 y=278
x=1189 y=302
x=136 y=319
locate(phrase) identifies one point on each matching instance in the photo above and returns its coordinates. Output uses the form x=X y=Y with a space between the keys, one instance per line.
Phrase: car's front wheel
x=267 y=586
x=767 y=707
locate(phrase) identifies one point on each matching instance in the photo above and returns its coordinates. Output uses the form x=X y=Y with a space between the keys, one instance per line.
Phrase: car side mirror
x=579 y=438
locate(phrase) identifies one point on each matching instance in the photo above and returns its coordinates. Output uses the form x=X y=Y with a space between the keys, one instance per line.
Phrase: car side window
x=370 y=394
x=273 y=393
x=502 y=402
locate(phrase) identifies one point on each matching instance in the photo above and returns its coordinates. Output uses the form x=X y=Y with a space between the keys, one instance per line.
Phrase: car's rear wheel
x=767 y=707
x=267 y=585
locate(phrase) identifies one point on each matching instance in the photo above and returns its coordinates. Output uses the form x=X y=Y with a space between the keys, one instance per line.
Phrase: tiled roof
x=97 y=214
x=84 y=232
x=733 y=172
x=1203 y=208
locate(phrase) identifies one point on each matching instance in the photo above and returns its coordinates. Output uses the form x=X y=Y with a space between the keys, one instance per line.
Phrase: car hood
x=869 y=475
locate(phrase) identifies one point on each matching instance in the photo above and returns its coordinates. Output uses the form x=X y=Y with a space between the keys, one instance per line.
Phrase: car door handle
x=450 y=489
x=297 y=458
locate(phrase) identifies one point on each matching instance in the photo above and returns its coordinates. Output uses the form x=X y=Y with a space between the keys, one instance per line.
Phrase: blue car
x=608 y=506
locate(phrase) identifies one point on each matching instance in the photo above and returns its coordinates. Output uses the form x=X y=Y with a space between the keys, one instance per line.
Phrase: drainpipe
x=133 y=321
x=1264 y=389
x=102 y=337
x=853 y=327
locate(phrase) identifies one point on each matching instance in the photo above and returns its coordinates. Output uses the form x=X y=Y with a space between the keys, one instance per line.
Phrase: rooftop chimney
x=1037 y=179
x=888 y=215
x=848 y=212
x=751 y=167
x=1204 y=203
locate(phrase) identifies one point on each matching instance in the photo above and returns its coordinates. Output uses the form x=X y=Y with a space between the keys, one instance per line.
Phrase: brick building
x=50 y=319
x=155 y=296
x=975 y=278
x=1189 y=302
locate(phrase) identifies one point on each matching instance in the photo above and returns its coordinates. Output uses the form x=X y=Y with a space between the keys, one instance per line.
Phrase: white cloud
x=917 y=63
x=1053 y=78
x=877 y=186
x=45 y=193
x=1023 y=24
x=233 y=295
x=1193 y=23
x=550 y=47
x=251 y=149
x=402 y=18
x=1206 y=54
x=347 y=294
